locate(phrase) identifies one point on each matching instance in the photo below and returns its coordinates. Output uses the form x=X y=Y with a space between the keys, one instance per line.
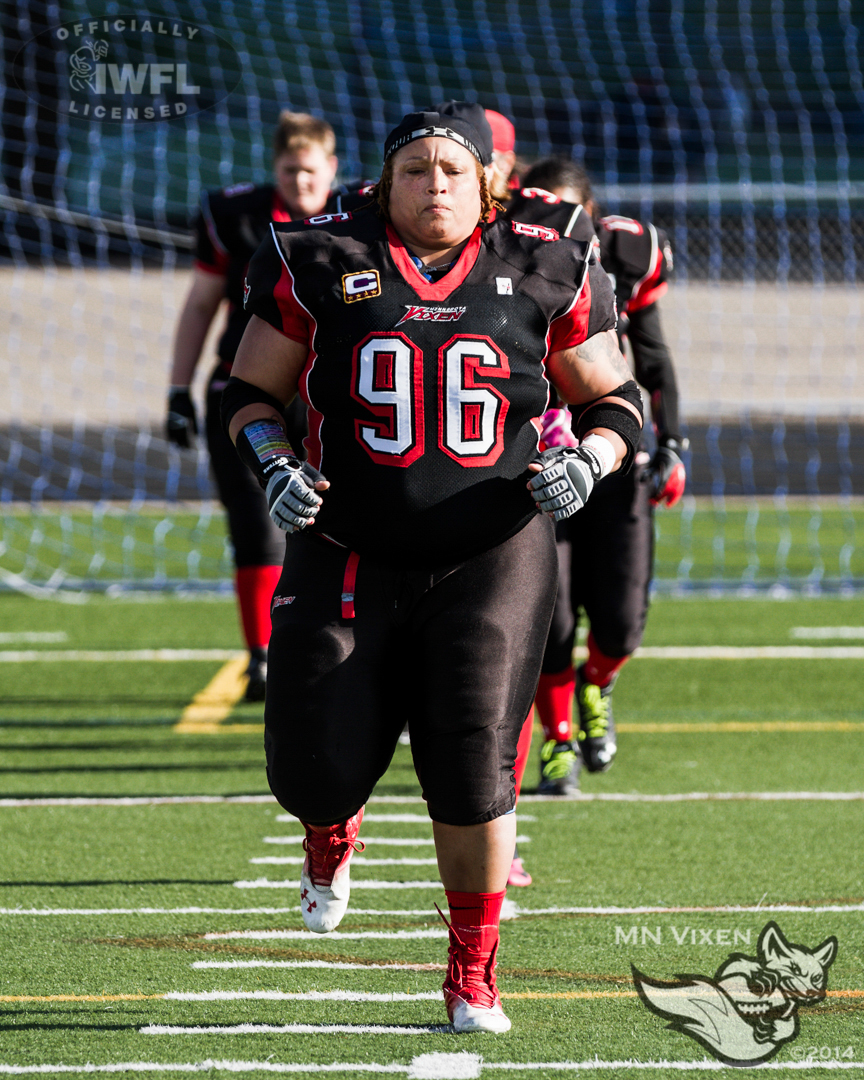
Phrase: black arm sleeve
x=654 y=370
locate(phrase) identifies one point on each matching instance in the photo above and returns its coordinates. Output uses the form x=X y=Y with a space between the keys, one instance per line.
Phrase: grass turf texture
x=70 y=729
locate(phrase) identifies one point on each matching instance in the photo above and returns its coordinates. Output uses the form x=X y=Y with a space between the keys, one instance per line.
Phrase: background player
x=230 y=226
x=422 y=551
x=610 y=582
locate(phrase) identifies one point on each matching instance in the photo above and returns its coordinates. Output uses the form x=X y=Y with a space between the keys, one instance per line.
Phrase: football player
x=229 y=228
x=609 y=582
x=421 y=575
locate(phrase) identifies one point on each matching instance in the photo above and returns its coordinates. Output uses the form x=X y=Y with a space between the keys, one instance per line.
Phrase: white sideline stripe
x=383 y=840
x=750 y=652
x=306 y=1029
x=308 y=995
x=817 y=632
x=719 y=909
x=24 y=656
x=334 y=935
x=358 y=860
x=266 y=883
x=335 y=964
x=506 y=911
x=213 y=1066
x=707 y=796
x=34 y=637
x=138 y=800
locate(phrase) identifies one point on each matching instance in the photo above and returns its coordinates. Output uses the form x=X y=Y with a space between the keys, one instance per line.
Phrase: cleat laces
x=470 y=970
x=594 y=712
x=325 y=853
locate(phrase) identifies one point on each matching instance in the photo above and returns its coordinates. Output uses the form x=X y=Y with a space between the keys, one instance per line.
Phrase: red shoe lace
x=470 y=970
x=327 y=850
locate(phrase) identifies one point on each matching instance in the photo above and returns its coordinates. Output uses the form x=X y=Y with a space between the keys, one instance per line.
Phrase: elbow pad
x=618 y=418
x=239 y=393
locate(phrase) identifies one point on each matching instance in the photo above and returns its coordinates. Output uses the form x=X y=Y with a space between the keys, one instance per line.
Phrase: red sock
x=255 y=587
x=475 y=917
x=522 y=750
x=600 y=668
x=555 y=704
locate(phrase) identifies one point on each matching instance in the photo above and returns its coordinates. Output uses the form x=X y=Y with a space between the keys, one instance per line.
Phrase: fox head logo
x=750 y=1008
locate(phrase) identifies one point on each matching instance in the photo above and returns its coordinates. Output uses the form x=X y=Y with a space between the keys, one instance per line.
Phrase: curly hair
x=380 y=193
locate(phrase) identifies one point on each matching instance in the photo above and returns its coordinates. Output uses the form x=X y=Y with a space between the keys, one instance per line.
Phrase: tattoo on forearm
x=604 y=347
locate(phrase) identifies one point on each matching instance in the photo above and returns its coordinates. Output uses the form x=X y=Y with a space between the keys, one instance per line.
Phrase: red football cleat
x=470 y=993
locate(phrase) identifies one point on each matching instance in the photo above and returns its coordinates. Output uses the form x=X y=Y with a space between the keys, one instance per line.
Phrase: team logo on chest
x=362 y=286
x=432 y=314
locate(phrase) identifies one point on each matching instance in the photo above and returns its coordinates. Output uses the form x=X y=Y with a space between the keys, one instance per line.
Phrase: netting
x=738 y=127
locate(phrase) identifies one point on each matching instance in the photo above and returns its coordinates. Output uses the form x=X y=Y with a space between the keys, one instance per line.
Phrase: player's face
x=435 y=195
x=304 y=178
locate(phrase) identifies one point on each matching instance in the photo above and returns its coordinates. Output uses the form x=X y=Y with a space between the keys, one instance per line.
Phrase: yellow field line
x=205 y=713
x=562 y=995
x=741 y=725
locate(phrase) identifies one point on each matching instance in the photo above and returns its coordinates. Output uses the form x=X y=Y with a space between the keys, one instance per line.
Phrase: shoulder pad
x=539 y=232
x=616 y=223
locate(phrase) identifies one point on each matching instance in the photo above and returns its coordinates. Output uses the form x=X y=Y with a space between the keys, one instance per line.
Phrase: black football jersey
x=229 y=229
x=423 y=397
x=638 y=258
x=541 y=207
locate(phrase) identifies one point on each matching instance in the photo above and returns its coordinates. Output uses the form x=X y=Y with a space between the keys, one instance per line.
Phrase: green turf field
x=112 y=911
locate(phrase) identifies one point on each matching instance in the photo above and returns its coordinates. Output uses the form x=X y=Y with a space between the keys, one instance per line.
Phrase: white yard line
x=266 y=883
x=54 y=656
x=334 y=935
x=750 y=652
x=331 y=964
x=718 y=909
x=357 y=860
x=384 y=841
x=308 y=995
x=34 y=637
x=815 y=633
x=700 y=796
x=397 y=819
x=301 y=1029
x=424 y=1067
x=139 y=800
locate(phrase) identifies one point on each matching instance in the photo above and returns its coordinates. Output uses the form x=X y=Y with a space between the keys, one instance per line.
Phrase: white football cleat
x=470 y=994
x=325 y=880
x=467 y=1017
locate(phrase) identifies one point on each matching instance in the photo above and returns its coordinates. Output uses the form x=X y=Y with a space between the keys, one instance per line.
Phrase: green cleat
x=596 y=727
x=559 y=770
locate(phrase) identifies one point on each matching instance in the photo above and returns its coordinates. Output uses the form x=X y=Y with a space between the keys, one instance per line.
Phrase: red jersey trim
x=648 y=298
x=648 y=284
x=571 y=328
x=438 y=290
x=298 y=323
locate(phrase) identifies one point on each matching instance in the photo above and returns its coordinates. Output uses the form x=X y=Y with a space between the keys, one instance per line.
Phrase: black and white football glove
x=568 y=478
x=292 y=497
x=181 y=422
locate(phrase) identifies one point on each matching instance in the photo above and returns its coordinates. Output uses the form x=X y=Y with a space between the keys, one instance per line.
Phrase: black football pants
x=455 y=653
x=605 y=558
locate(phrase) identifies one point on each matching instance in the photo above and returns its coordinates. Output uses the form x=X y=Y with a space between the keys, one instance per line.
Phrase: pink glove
x=556 y=430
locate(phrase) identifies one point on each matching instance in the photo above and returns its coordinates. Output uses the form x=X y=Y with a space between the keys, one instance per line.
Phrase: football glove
x=292 y=497
x=556 y=430
x=666 y=476
x=181 y=423
x=568 y=478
